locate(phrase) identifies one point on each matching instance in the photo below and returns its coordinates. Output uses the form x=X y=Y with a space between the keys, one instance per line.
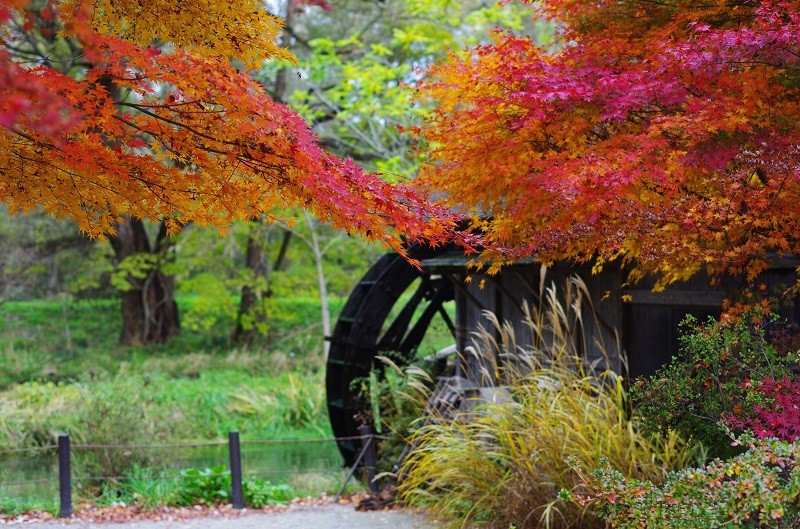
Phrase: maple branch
x=178 y=124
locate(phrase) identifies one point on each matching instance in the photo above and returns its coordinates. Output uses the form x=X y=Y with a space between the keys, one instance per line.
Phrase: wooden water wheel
x=389 y=311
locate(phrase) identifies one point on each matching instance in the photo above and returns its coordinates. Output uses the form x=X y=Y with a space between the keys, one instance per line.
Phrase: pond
x=274 y=462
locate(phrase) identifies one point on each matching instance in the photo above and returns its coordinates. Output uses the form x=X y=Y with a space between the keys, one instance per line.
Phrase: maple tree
x=113 y=113
x=176 y=131
x=662 y=134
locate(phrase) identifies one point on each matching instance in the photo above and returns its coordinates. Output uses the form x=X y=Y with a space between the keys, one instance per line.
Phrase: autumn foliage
x=664 y=134
x=778 y=413
x=156 y=117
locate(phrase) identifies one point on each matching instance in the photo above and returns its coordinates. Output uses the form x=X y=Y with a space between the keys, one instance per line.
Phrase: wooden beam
x=703 y=298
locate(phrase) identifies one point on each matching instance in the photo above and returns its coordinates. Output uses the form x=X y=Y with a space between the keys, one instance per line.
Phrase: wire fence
x=64 y=450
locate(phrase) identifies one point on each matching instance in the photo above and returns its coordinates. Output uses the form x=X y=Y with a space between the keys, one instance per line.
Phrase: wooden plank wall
x=632 y=330
x=471 y=301
x=507 y=292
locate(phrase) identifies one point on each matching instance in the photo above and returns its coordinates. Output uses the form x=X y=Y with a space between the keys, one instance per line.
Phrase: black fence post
x=235 y=452
x=370 y=457
x=64 y=477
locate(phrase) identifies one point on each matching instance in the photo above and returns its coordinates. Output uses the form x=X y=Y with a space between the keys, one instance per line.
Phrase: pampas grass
x=505 y=463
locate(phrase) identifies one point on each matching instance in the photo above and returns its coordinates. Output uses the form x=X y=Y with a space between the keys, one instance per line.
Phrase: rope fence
x=28 y=482
x=31 y=449
x=148 y=446
x=64 y=450
x=165 y=477
x=199 y=444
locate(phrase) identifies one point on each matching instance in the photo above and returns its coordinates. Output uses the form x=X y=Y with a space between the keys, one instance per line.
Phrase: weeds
x=114 y=421
x=209 y=485
x=18 y=364
x=163 y=409
x=149 y=489
x=34 y=345
x=13 y=505
x=195 y=388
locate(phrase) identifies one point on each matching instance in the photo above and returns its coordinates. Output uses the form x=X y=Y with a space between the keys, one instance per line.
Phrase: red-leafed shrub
x=778 y=412
x=702 y=387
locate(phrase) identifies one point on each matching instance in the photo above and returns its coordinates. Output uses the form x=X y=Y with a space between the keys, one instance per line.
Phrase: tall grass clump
x=506 y=463
x=20 y=365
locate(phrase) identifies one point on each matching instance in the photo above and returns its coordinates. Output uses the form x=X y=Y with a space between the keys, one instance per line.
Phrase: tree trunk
x=254 y=260
x=323 y=287
x=248 y=308
x=149 y=310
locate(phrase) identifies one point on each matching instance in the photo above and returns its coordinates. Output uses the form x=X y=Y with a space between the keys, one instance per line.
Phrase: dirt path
x=322 y=517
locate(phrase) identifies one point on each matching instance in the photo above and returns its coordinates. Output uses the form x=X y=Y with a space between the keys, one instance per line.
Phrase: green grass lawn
x=60 y=363
x=71 y=341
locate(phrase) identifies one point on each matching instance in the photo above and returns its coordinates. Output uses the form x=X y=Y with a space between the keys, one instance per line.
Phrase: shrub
x=777 y=413
x=757 y=489
x=702 y=385
x=113 y=421
x=505 y=464
x=208 y=486
x=259 y=494
x=213 y=485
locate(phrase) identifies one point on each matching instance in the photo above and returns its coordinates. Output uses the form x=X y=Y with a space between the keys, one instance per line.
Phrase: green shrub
x=259 y=494
x=149 y=489
x=758 y=489
x=115 y=420
x=703 y=384
x=213 y=485
x=208 y=486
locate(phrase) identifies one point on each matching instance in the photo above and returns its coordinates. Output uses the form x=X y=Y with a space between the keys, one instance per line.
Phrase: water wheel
x=389 y=311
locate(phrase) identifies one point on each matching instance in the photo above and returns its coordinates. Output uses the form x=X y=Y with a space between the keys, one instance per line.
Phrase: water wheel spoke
x=447 y=321
x=417 y=333
x=390 y=339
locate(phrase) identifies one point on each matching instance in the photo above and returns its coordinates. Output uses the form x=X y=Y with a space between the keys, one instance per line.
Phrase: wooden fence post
x=235 y=453
x=64 y=477
x=370 y=457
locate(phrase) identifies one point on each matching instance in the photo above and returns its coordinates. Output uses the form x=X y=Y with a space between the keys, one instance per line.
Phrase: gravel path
x=323 y=517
